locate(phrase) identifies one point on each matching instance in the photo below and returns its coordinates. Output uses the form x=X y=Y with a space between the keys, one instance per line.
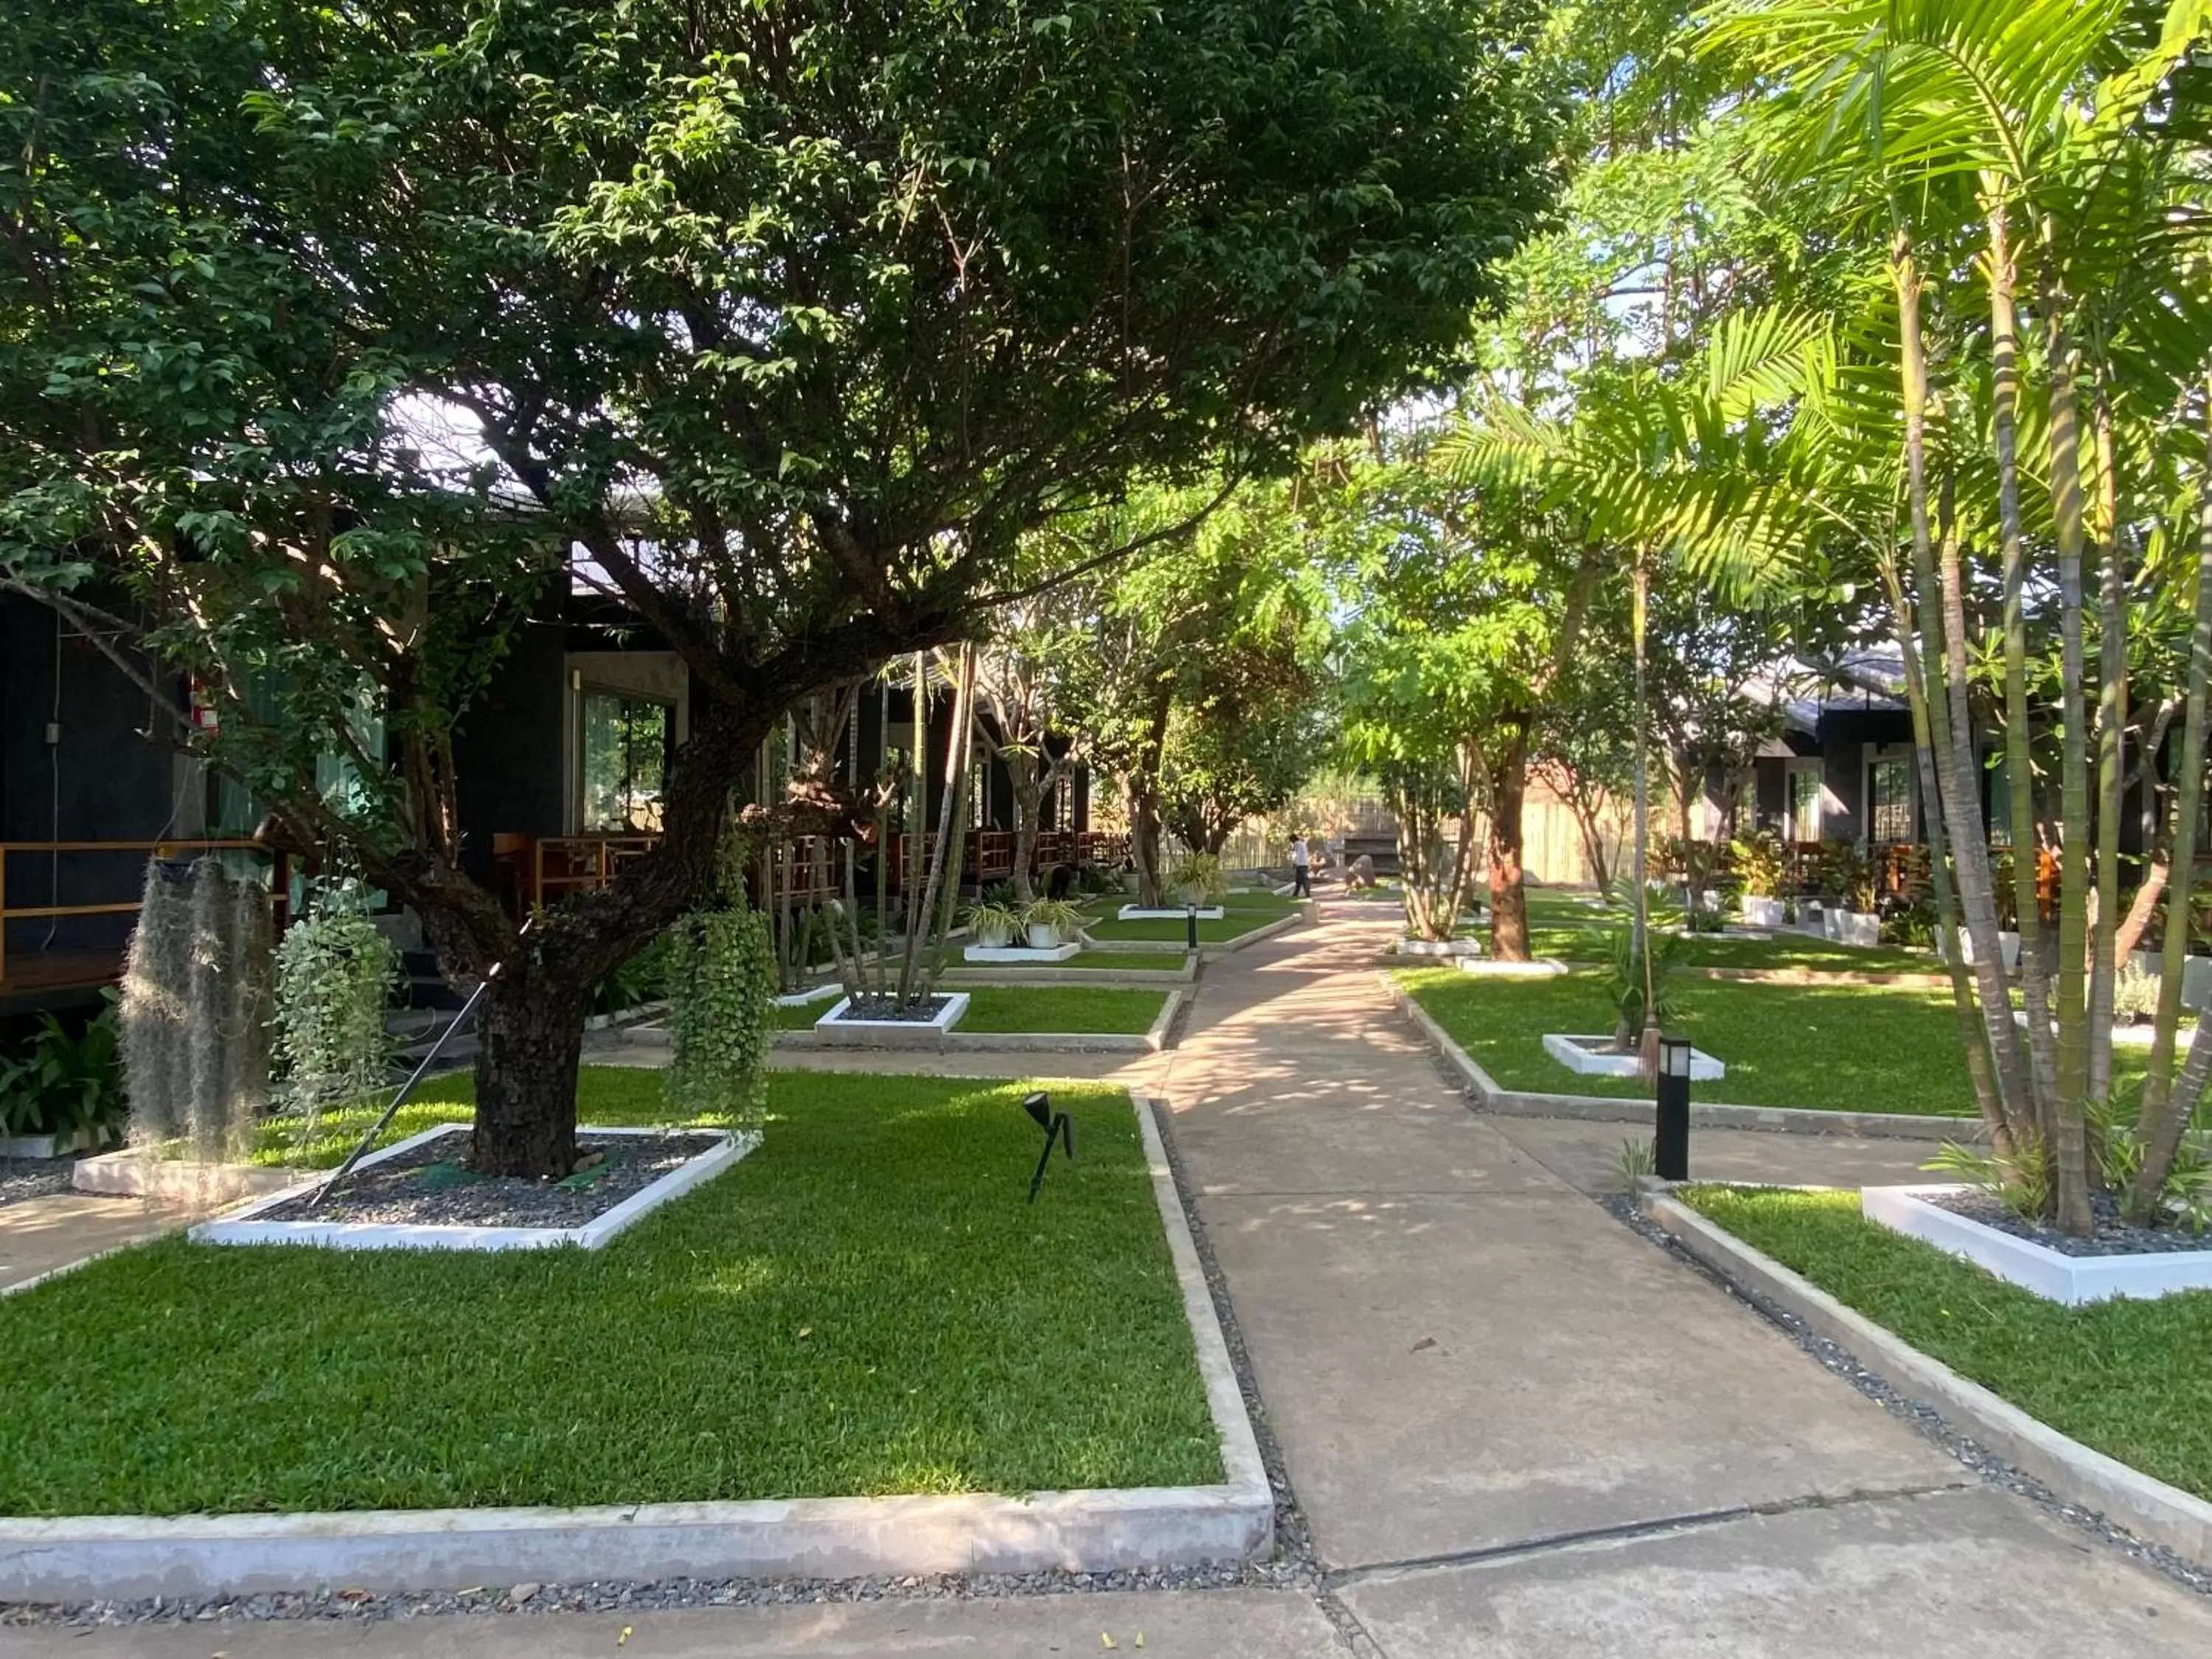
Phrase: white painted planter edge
x=2052 y=1274
x=117 y=1557
x=245 y=1227
x=1572 y=1050
x=2079 y=1474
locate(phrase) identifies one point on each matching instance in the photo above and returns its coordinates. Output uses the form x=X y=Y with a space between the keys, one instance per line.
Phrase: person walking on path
x=1300 y=868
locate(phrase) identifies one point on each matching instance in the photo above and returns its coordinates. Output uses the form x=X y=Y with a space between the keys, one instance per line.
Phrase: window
x=1889 y=802
x=625 y=762
x=1805 y=803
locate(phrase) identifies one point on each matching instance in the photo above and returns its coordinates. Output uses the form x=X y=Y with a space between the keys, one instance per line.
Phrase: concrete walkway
x=41 y=1235
x=1515 y=1428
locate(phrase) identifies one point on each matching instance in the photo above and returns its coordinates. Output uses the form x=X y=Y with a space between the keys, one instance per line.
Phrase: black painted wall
x=108 y=781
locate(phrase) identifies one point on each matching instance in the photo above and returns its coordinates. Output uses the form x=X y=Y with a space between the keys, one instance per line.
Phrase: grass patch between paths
x=2128 y=1377
x=858 y=1308
x=1241 y=914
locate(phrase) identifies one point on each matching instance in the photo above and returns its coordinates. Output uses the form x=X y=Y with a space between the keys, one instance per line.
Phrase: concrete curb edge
x=2074 y=1474
x=1491 y=1096
x=95 y=1558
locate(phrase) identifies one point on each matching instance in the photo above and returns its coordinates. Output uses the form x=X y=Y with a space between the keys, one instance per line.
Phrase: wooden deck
x=41 y=973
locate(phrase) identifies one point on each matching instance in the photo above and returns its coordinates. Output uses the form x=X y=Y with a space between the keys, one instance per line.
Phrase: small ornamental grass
x=865 y=1305
x=2128 y=1377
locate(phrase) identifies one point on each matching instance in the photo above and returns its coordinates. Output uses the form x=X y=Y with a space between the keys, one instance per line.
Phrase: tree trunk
x=2112 y=759
x=2065 y=1132
x=1959 y=787
x=2019 y=761
x=530 y=1034
x=1508 y=897
x=2128 y=940
x=1145 y=797
x=1029 y=807
x=2167 y=1111
x=1640 y=859
x=1972 y=1038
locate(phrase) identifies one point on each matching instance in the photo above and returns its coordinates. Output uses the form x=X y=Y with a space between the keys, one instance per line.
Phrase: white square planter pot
x=1169 y=913
x=1020 y=952
x=1589 y=1056
x=59 y=1146
x=1762 y=912
x=1860 y=927
x=1439 y=947
x=244 y=1228
x=2072 y=1279
x=2196 y=973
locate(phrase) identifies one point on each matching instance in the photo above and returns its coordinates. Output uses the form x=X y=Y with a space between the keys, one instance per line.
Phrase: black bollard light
x=1671 y=1139
x=1190 y=922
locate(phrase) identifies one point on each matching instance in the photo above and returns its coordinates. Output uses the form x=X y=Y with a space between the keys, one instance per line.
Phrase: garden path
x=1516 y=1427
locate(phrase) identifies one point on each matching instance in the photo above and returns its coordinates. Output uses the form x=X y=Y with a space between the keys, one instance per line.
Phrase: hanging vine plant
x=335 y=977
x=721 y=986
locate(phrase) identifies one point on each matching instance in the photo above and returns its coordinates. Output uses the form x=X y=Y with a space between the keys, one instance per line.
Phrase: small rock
x=522 y=1593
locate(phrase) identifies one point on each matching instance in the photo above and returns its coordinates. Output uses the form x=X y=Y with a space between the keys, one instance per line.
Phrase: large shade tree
x=780 y=324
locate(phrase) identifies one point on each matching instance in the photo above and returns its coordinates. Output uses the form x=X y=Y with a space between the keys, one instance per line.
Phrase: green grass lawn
x=2127 y=1377
x=1847 y=1047
x=1087 y=1010
x=865 y=1305
x=1154 y=961
x=1562 y=926
x=1241 y=914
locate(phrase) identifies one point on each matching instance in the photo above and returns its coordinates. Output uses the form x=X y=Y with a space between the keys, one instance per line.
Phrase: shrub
x=2135 y=995
x=1199 y=879
x=642 y=979
x=1846 y=876
x=1912 y=924
x=1761 y=864
x=63 y=1083
x=1624 y=983
x=988 y=917
x=721 y=985
x=335 y=977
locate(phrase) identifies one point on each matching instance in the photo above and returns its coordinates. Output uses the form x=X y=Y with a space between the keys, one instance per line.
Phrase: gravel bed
x=2113 y=1237
x=33 y=1177
x=887 y=1011
x=425 y=1186
x=1838 y=1359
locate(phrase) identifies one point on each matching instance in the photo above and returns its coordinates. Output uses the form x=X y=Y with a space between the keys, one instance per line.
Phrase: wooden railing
x=280 y=882
x=536 y=868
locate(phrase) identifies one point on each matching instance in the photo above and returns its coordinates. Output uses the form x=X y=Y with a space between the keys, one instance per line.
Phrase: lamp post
x=1190 y=922
x=1671 y=1137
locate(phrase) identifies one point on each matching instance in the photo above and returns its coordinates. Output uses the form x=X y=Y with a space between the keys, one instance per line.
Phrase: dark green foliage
x=61 y=1081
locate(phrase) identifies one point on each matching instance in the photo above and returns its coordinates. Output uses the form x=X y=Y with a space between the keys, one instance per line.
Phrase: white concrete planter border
x=1019 y=953
x=833 y=1027
x=811 y=995
x=2075 y=1474
x=91 y=1558
x=245 y=1227
x=1585 y=1054
x=1438 y=947
x=2072 y=1279
x=1490 y=967
x=1165 y=913
x=1490 y=1096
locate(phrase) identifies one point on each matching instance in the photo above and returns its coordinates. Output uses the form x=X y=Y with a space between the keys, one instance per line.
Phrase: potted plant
x=64 y=1093
x=1765 y=869
x=1198 y=879
x=1050 y=923
x=995 y=922
x=1847 y=912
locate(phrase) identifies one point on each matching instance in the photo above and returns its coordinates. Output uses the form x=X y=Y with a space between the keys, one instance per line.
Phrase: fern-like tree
x=780 y=324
